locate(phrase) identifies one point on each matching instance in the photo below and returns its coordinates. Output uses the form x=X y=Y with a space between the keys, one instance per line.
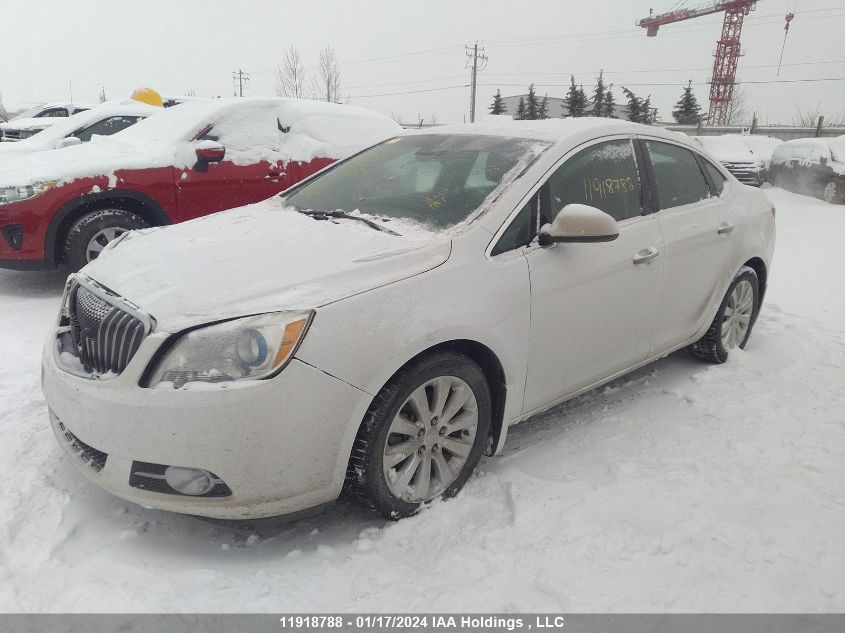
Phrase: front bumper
x=281 y=445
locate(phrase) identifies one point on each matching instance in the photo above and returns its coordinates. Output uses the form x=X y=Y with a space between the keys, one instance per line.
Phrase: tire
x=832 y=192
x=94 y=230
x=717 y=342
x=439 y=381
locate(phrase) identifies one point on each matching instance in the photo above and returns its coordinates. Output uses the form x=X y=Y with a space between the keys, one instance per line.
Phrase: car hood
x=28 y=124
x=259 y=258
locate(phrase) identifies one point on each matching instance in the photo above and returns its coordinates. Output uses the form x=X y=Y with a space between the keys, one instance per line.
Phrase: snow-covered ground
x=682 y=487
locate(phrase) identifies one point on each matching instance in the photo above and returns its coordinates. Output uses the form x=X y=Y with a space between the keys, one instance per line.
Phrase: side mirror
x=822 y=160
x=579 y=223
x=210 y=152
x=70 y=141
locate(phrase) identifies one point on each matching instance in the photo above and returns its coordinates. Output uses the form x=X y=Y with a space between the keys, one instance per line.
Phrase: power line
x=473 y=54
x=240 y=79
x=695 y=83
x=409 y=92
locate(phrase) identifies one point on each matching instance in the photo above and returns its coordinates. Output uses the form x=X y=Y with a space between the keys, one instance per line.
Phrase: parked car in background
x=736 y=156
x=383 y=324
x=761 y=146
x=65 y=205
x=32 y=121
x=103 y=120
x=814 y=166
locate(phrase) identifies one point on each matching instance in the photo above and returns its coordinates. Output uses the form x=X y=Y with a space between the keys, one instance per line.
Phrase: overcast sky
x=49 y=47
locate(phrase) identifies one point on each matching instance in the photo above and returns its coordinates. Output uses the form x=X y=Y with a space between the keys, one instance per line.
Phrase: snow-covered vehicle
x=736 y=156
x=814 y=166
x=762 y=146
x=32 y=121
x=103 y=120
x=383 y=323
x=65 y=205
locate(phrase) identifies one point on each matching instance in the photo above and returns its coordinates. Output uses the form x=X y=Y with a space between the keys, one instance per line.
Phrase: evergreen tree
x=498 y=105
x=687 y=111
x=635 y=106
x=609 y=105
x=532 y=105
x=575 y=102
x=520 y=110
x=598 y=96
x=648 y=113
x=543 y=111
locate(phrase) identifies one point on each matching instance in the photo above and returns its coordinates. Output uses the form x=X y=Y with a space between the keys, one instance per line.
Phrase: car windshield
x=837 y=145
x=434 y=179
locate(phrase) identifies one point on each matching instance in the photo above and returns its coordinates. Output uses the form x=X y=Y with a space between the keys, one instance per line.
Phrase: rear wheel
x=423 y=436
x=736 y=315
x=91 y=233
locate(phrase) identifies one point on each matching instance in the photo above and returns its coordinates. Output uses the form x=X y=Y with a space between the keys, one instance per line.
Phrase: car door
x=697 y=235
x=250 y=171
x=592 y=305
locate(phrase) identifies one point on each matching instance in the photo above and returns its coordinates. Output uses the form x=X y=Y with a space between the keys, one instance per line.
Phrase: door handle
x=725 y=228
x=646 y=255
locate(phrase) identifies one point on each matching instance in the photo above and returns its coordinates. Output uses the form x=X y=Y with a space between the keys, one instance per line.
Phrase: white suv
x=380 y=327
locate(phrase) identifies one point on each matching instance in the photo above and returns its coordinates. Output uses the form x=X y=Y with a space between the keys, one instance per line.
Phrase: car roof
x=553 y=130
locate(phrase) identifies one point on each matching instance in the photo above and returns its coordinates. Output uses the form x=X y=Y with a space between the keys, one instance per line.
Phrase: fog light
x=189 y=481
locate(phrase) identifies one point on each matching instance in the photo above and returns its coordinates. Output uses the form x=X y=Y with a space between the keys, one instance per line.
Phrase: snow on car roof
x=59 y=127
x=554 y=130
x=272 y=129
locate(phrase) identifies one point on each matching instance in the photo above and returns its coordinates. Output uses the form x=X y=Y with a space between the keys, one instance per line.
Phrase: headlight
x=16 y=194
x=242 y=349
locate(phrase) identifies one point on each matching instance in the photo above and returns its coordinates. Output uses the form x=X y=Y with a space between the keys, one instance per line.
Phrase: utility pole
x=240 y=78
x=474 y=55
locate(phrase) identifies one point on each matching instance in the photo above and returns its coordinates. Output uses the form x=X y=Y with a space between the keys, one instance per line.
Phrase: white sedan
x=381 y=325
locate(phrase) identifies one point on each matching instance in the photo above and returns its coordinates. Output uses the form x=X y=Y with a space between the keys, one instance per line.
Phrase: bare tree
x=290 y=75
x=190 y=92
x=808 y=117
x=327 y=85
x=740 y=112
x=4 y=116
x=102 y=96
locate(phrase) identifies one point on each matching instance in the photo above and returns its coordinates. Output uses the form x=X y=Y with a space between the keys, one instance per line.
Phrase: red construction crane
x=727 y=48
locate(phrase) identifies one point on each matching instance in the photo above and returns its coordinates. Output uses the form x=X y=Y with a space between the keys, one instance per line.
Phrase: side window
x=715 y=175
x=106 y=127
x=521 y=231
x=602 y=176
x=679 y=180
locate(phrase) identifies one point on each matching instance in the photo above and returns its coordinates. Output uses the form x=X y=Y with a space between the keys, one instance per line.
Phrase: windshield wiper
x=330 y=215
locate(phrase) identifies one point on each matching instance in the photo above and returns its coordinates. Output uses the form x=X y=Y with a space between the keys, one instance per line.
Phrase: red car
x=63 y=206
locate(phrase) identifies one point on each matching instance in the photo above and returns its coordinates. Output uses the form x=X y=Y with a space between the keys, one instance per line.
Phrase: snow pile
x=727 y=149
x=681 y=487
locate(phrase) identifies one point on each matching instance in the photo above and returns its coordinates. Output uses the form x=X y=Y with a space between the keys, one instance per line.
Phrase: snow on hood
x=259 y=258
x=29 y=124
x=251 y=130
x=726 y=149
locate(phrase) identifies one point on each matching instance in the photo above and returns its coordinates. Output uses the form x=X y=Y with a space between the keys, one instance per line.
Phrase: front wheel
x=91 y=233
x=422 y=437
x=736 y=315
x=831 y=192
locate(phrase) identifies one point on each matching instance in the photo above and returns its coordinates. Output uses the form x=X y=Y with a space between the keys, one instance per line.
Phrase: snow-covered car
x=814 y=166
x=761 y=146
x=64 y=206
x=383 y=323
x=34 y=120
x=103 y=120
x=736 y=156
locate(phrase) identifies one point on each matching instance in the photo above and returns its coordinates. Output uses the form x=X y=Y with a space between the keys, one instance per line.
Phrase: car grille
x=746 y=173
x=94 y=459
x=104 y=337
x=11 y=135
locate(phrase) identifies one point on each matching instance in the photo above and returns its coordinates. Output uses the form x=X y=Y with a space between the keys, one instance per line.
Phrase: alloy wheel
x=830 y=192
x=738 y=313
x=430 y=439
x=100 y=240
